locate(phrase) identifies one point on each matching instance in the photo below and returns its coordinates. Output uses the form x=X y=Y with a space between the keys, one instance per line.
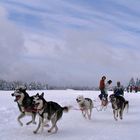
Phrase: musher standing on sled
x=102 y=88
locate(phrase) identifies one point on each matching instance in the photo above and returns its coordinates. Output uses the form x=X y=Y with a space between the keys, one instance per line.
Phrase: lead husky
x=48 y=111
x=85 y=105
x=25 y=104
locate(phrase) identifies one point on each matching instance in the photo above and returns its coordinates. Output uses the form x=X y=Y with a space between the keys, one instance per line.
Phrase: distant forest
x=12 y=85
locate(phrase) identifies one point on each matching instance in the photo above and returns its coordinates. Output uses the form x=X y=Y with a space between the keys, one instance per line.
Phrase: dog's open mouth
x=17 y=98
x=36 y=105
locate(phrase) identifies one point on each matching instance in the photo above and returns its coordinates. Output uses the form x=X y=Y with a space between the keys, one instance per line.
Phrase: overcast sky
x=69 y=42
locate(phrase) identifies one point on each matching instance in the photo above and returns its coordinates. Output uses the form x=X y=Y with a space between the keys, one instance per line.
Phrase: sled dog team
x=50 y=111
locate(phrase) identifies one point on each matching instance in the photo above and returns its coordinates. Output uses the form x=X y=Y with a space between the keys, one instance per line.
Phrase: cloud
x=11 y=44
x=81 y=58
x=73 y=43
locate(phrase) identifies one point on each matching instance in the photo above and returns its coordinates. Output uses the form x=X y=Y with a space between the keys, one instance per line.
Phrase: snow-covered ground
x=72 y=126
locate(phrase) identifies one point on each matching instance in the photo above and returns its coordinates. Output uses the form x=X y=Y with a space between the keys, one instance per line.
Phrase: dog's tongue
x=17 y=98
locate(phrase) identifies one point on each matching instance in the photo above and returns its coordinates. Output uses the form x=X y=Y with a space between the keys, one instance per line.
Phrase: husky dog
x=85 y=105
x=48 y=111
x=118 y=105
x=25 y=104
x=104 y=103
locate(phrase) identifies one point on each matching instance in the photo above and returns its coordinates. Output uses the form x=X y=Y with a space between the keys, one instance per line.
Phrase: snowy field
x=72 y=126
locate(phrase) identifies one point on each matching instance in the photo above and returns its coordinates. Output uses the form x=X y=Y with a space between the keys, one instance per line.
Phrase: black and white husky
x=118 y=105
x=48 y=111
x=25 y=104
x=85 y=105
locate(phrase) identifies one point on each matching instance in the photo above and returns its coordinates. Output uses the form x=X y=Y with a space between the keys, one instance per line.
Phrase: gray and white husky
x=85 y=105
x=48 y=111
x=104 y=104
x=25 y=104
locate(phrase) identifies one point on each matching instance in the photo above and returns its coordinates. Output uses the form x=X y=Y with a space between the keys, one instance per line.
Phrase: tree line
x=12 y=85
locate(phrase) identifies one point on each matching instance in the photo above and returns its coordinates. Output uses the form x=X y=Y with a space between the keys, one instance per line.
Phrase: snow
x=72 y=126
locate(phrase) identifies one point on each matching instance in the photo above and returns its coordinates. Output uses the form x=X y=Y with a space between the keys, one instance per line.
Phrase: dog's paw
x=34 y=122
x=21 y=124
x=28 y=123
x=35 y=132
x=49 y=131
x=116 y=119
x=121 y=118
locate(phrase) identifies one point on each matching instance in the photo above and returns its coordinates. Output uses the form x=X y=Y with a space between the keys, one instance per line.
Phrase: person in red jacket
x=102 y=87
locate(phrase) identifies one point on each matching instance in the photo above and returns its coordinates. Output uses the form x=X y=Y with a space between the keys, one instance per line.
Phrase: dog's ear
x=37 y=94
x=42 y=95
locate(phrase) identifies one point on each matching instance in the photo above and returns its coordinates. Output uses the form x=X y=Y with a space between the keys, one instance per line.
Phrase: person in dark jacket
x=119 y=89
